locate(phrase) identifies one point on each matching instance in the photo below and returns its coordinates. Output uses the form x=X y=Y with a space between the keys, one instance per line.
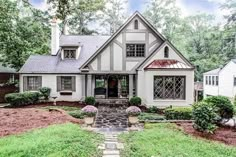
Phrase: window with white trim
x=69 y=53
x=136 y=24
x=206 y=79
x=169 y=87
x=213 y=80
x=166 y=52
x=234 y=81
x=66 y=83
x=135 y=50
x=209 y=80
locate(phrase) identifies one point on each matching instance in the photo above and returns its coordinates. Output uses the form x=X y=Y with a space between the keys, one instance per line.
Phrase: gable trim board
x=142 y=64
x=117 y=33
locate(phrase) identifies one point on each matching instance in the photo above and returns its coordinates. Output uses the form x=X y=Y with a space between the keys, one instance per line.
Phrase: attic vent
x=166 y=52
x=136 y=24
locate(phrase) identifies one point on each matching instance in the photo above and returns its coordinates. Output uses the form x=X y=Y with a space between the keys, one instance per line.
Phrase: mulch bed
x=59 y=103
x=14 y=121
x=222 y=134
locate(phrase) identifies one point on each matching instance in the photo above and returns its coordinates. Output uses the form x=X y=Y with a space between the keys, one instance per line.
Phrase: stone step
x=111 y=152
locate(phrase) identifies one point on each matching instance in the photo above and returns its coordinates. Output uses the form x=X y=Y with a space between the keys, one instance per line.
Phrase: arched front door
x=112 y=87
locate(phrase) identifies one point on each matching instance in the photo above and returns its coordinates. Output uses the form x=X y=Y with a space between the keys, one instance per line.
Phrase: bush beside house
x=135 y=101
x=90 y=100
x=178 y=113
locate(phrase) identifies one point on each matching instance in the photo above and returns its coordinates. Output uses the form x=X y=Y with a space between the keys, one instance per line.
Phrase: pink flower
x=133 y=110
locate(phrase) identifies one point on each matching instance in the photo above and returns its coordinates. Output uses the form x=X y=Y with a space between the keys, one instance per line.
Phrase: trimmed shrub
x=76 y=114
x=22 y=99
x=178 y=113
x=133 y=111
x=205 y=117
x=45 y=91
x=224 y=107
x=135 y=101
x=90 y=100
x=150 y=116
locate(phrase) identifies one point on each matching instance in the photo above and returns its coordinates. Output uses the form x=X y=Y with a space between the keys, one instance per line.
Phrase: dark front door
x=112 y=86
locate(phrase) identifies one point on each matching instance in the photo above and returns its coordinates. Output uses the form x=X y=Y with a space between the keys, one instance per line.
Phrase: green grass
x=165 y=140
x=54 y=141
x=66 y=108
x=150 y=116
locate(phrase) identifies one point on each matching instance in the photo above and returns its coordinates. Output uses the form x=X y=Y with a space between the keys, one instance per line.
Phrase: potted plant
x=89 y=112
x=133 y=112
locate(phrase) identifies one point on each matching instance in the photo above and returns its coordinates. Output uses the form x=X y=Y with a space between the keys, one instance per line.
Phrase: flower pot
x=133 y=119
x=89 y=120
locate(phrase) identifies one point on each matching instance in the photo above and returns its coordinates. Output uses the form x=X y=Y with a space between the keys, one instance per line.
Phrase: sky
x=188 y=7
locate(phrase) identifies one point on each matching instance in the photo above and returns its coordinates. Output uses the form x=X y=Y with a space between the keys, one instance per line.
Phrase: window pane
x=135 y=50
x=66 y=83
x=235 y=81
x=209 y=80
x=69 y=54
x=33 y=82
x=217 y=80
x=206 y=80
x=169 y=87
x=99 y=82
x=213 y=80
x=124 y=81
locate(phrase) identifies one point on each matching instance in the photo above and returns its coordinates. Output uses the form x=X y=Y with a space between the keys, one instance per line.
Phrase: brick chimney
x=55 y=35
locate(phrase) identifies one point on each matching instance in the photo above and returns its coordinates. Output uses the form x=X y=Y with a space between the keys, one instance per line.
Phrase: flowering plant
x=89 y=110
x=133 y=111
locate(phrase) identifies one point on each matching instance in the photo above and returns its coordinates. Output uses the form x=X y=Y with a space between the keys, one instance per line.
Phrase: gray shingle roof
x=213 y=72
x=54 y=64
x=4 y=69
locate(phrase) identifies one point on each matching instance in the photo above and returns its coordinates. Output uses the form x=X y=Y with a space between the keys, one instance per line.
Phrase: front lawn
x=166 y=140
x=55 y=141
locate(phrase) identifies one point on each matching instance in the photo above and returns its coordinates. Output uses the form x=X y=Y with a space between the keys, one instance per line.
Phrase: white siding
x=117 y=57
x=210 y=90
x=105 y=59
x=145 y=88
x=226 y=78
x=94 y=64
x=130 y=65
x=50 y=80
x=135 y=36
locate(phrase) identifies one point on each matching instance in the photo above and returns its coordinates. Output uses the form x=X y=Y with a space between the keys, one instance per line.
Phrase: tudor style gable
x=127 y=48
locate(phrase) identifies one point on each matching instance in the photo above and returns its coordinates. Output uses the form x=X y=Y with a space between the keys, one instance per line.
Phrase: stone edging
x=166 y=121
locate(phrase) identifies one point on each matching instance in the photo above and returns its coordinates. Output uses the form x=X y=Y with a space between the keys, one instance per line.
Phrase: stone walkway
x=111 y=147
x=111 y=116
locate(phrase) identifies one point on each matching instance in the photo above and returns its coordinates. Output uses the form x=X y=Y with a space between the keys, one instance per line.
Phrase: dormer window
x=166 y=52
x=136 y=24
x=69 y=53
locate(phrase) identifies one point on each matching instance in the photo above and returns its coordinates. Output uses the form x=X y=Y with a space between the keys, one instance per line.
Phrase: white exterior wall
x=105 y=59
x=211 y=90
x=226 y=80
x=50 y=80
x=145 y=88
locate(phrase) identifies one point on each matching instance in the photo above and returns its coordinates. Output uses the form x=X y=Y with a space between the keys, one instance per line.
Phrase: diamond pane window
x=169 y=87
x=135 y=50
x=69 y=54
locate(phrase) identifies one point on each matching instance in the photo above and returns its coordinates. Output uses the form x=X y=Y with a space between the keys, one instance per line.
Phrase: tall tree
x=114 y=15
x=20 y=36
x=84 y=14
x=164 y=15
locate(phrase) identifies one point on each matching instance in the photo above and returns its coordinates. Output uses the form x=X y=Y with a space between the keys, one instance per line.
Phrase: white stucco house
x=221 y=81
x=135 y=60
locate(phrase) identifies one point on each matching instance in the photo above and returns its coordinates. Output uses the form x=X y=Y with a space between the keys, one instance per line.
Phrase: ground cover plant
x=167 y=140
x=55 y=141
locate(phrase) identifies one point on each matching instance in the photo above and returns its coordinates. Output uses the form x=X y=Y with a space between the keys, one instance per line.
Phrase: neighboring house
x=135 y=60
x=221 y=81
x=7 y=77
x=7 y=74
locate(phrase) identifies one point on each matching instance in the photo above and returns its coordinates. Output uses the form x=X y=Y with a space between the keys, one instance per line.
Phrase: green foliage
x=178 y=113
x=55 y=141
x=150 y=116
x=45 y=91
x=21 y=34
x=166 y=140
x=90 y=100
x=76 y=114
x=154 y=109
x=65 y=108
x=135 y=101
x=205 y=117
x=114 y=15
x=22 y=99
x=223 y=105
